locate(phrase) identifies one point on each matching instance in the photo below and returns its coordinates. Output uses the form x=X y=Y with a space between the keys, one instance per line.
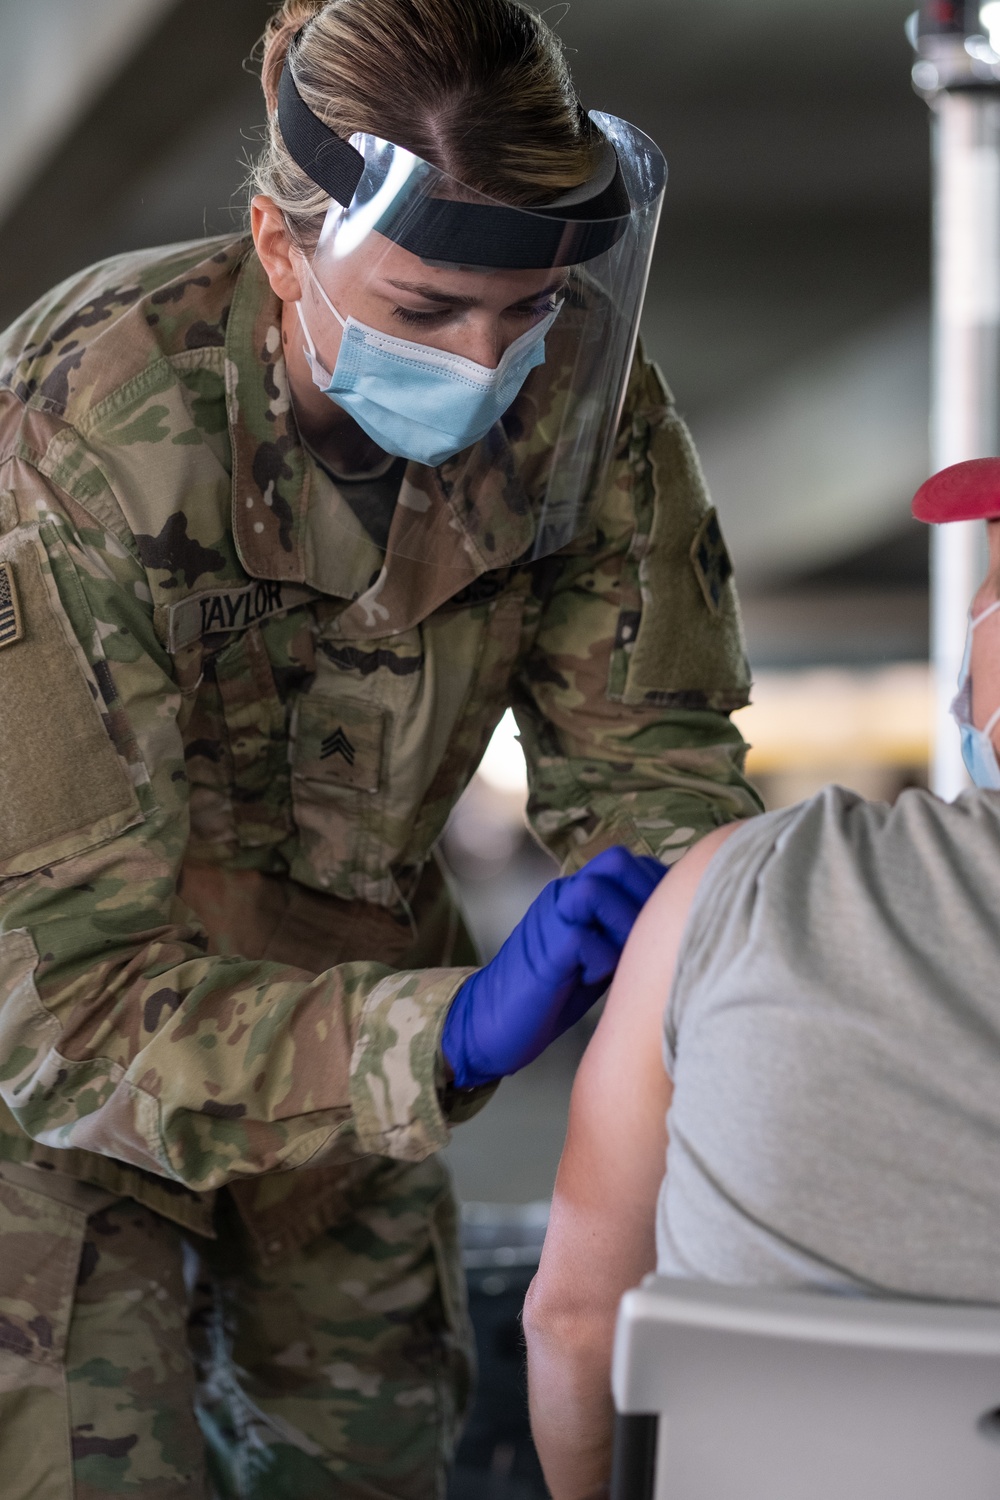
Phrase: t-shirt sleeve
x=721 y=915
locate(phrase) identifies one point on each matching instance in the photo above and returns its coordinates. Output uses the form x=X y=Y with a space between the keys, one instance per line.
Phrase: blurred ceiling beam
x=55 y=60
x=824 y=458
x=182 y=72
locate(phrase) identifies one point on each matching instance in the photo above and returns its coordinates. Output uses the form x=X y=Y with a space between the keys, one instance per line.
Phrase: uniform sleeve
x=119 y=1034
x=623 y=700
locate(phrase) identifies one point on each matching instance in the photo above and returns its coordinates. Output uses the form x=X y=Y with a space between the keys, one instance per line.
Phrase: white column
x=965 y=421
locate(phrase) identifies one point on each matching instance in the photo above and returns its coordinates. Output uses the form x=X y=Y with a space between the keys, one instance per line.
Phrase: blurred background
x=788 y=308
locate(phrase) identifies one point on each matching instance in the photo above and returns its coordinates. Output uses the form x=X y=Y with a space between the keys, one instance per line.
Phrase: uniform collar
x=452 y=524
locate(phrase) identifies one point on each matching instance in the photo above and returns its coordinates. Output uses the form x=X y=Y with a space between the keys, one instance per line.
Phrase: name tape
x=219 y=610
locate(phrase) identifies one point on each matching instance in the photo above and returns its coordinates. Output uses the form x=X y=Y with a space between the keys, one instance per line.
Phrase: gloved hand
x=558 y=960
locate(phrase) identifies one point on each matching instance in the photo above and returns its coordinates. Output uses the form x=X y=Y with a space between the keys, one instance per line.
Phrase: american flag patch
x=10 y=616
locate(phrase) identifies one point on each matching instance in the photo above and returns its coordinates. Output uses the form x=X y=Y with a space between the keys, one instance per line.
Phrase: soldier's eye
x=535 y=311
x=427 y=319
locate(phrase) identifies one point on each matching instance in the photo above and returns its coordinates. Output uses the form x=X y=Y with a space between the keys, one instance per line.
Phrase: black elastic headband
x=564 y=233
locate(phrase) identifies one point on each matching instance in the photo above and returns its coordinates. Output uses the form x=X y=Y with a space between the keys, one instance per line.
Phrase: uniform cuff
x=401 y=1108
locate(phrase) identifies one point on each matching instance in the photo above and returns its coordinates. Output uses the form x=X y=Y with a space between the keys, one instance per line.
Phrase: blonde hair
x=478 y=88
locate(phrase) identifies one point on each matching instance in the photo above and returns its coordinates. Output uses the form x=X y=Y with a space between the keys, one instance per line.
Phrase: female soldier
x=284 y=527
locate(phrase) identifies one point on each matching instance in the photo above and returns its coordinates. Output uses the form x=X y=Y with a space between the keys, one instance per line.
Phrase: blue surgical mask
x=977 y=744
x=419 y=402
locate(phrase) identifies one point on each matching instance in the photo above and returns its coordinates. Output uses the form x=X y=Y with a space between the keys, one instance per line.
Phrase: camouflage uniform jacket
x=224 y=944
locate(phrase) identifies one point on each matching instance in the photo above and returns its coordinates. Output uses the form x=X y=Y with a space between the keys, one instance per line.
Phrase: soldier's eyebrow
x=419 y=289
x=456 y=299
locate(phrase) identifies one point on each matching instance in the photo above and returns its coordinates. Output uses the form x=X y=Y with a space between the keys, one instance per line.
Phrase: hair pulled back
x=479 y=88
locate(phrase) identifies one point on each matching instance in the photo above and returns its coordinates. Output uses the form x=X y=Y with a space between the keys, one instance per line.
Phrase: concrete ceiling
x=56 y=60
x=158 y=153
x=788 y=301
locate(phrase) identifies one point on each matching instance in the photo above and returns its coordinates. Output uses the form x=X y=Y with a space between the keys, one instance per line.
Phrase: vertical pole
x=965 y=420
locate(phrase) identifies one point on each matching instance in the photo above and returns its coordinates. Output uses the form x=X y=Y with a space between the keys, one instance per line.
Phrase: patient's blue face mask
x=977 y=744
x=413 y=400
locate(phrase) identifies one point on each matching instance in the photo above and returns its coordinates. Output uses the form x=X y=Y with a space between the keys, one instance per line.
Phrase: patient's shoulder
x=671 y=901
x=646 y=971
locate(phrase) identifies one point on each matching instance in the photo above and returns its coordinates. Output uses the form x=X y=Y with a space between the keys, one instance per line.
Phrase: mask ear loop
x=967 y=654
x=990 y=609
x=994 y=718
x=310 y=345
x=343 y=321
x=315 y=363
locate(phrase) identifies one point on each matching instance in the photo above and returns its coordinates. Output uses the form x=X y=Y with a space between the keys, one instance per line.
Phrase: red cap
x=965 y=492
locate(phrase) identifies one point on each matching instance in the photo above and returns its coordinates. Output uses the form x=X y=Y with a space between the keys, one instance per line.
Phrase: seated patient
x=823 y=985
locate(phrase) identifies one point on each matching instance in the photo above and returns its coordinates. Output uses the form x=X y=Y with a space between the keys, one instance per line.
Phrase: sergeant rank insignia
x=337 y=743
x=11 y=629
x=711 y=562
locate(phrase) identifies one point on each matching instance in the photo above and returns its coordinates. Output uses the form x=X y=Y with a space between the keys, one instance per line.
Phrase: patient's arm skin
x=601 y=1235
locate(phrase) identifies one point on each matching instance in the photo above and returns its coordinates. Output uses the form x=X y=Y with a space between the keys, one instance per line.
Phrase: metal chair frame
x=726 y=1393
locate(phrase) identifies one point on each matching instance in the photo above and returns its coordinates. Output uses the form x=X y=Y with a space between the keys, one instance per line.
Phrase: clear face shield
x=487 y=343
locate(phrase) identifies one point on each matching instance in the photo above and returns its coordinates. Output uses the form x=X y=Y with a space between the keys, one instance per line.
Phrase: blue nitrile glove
x=558 y=960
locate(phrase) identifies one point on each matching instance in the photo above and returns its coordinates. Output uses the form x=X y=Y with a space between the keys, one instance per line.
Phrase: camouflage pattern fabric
x=95 y=1376
x=232 y=749
x=343 y=1371
x=136 y=1360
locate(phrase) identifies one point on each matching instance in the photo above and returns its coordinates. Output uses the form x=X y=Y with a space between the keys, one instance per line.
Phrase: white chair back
x=727 y=1393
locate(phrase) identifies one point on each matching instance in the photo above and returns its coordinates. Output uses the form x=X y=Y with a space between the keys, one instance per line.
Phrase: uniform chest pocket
x=338 y=749
x=339 y=744
x=258 y=743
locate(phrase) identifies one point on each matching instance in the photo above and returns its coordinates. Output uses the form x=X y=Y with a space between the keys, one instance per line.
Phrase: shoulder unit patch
x=711 y=562
x=11 y=629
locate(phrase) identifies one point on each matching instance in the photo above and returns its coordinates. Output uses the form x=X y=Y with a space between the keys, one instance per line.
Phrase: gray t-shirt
x=833 y=1034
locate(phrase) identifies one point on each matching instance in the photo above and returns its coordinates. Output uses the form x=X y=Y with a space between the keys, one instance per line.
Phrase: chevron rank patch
x=11 y=629
x=337 y=743
x=711 y=561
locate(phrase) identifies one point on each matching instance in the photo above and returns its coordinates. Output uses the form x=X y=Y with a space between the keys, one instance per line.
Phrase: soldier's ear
x=274 y=248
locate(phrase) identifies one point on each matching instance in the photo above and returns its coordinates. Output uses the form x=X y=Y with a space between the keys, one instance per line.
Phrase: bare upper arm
x=601 y=1236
